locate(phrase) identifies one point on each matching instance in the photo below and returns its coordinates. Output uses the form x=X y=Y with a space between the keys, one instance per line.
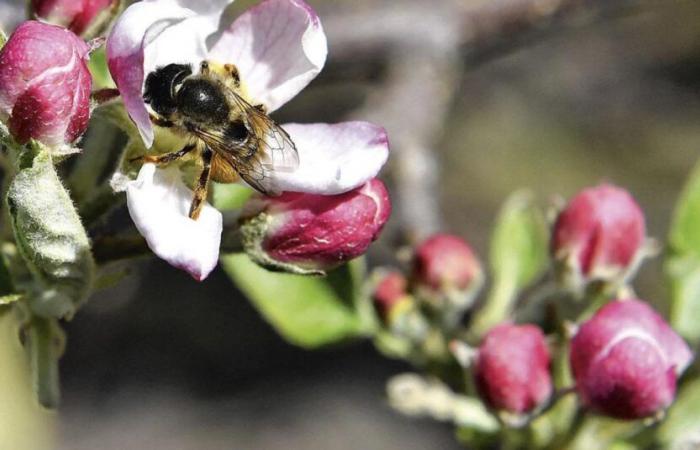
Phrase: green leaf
x=519 y=241
x=682 y=264
x=3 y=39
x=682 y=418
x=230 y=196
x=306 y=311
x=49 y=236
x=518 y=256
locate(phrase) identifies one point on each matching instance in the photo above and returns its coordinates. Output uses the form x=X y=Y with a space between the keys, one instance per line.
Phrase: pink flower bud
x=512 y=368
x=314 y=233
x=444 y=261
x=626 y=360
x=389 y=292
x=44 y=84
x=76 y=15
x=599 y=234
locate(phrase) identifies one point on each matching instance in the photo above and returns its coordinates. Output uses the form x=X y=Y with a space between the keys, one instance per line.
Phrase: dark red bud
x=391 y=289
x=512 y=368
x=445 y=261
x=45 y=84
x=317 y=232
x=626 y=360
x=599 y=233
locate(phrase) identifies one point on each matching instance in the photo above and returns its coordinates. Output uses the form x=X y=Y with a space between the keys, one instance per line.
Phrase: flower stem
x=497 y=306
x=45 y=346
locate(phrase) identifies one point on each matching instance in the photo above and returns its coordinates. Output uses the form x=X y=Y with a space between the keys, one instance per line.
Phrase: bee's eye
x=236 y=131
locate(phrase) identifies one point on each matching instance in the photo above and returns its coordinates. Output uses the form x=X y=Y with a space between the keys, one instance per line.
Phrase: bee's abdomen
x=203 y=101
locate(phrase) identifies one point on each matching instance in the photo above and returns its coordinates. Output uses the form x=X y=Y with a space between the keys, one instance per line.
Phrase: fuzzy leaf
x=306 y=311
x=683 y=260
x=50 y=236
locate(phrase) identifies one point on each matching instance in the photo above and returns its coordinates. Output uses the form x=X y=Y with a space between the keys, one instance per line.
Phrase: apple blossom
x=626 y=360
x=278 y=47
x=511 y=368
x=598 y=236
x=45 y=84
x=309 y=233
x=76 y=15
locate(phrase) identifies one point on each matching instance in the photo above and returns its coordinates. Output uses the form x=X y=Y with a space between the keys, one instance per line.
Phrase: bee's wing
x=269 y=149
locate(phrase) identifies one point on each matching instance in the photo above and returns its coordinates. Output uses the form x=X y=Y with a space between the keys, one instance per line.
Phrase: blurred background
x=480 y=97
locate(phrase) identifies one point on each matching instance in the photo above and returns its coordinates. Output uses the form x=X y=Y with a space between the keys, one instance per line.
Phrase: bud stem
x=44 y=351
x=497 y=307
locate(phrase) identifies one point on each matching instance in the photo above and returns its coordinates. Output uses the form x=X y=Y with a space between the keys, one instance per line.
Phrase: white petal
x=334 y=158
x=278 y=46
x=159 y=203
x=153 y=33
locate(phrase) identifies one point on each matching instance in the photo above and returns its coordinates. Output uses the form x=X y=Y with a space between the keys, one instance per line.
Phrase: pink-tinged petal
x=278 y=46
x=334 y=158
x=159 y=203
x=155 y=33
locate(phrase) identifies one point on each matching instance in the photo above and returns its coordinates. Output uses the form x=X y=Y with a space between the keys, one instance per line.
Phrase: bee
x=232 y=137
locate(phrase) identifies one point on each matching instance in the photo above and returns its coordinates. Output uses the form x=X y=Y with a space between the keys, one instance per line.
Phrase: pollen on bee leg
x=233 y=73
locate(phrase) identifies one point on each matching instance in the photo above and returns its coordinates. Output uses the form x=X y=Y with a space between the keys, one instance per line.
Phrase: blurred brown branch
x=428 y=45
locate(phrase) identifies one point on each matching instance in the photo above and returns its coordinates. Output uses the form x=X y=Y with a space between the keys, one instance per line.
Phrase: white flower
x=278 y=47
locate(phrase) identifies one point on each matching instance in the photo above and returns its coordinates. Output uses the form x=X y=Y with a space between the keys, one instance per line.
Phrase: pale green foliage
x=519 y=241
x=50 y=236
x=518 y=256
x=683 y=261
x=307 y=311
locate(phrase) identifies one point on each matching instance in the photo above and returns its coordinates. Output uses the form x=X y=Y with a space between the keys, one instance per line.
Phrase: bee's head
x=161 y=85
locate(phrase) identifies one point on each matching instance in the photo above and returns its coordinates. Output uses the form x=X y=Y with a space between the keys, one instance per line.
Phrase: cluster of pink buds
x=45 y=84
x=444 y=277
x=625 y=359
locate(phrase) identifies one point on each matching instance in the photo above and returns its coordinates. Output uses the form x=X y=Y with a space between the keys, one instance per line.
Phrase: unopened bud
x=626 y=360
x=598 y=236
x=307 y=233
x=76 y=15
x=389 y=293
x=445 y=266
x=45 y=84
x=512 y=368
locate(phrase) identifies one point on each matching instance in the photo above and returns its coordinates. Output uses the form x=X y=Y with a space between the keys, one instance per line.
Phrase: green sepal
x=49 y=236
x=307 y=311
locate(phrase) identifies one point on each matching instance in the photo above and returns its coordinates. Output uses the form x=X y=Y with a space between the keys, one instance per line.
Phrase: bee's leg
x=200 y=191
x=204 y=68
x=159 y=121
x=166 y=158
x=233 y=73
